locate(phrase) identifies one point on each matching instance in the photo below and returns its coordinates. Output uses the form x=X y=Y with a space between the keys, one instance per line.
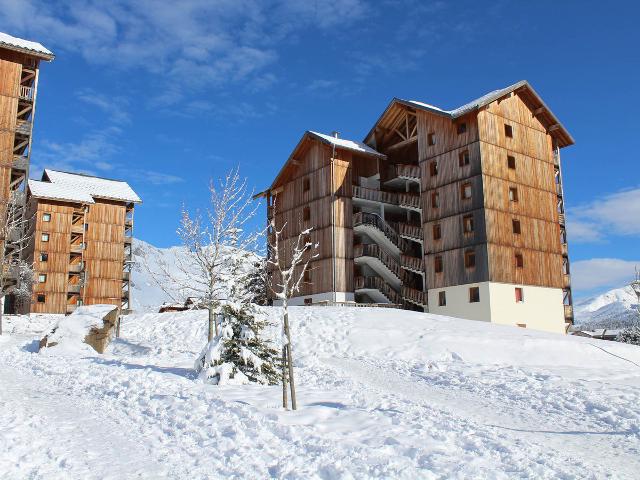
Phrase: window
x=442 y=299
x=437 y=232
x=433 y=169
x=435 y=200
x=41 y=298
x=307 y=276
x=465 y=191
x=431 y=139
x=519 y=260
x=521 y=325
x=44 y=237
x=508 y=130
x=469 y=259
x=464 y=159
x=46 y=217
x=44 y=257
x=513 y=194
x=306 y=214
x=86 y=227
x=519 y=295
x=467 y=224
x=306 y=184
x=462 y=127
x=42 y=278
x=308 y=301
x=516 y=226
x=474 y=294
x=437 y=264
x=511 y=162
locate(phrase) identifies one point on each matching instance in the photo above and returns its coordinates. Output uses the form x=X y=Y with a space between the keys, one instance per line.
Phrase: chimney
x=335 y=134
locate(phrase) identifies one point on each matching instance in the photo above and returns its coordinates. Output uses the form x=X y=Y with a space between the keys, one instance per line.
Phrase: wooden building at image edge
x=456 y=212
x=81 y=245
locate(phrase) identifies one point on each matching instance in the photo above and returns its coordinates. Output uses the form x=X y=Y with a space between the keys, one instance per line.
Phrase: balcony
x=26 y=93
x=568 y=312
x=76 y=248
x=76 y=267
x=407 y=200
x=77 y=228
x=128 y=223
x=375 y=226
x=373 y=285
x=564 y=249
x=375 y=252
x=561 y=219
x=412 y=232
x=126 y=276
x=20 y=163
x=412 y=263
x=412 y=295
x=566 y=280
x=398 y=173
x=128 y=240
x=73 y=288
x=23 y=127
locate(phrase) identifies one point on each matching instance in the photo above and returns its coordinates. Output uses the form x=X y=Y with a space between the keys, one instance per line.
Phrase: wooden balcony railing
x=26 y=93
x=409 y=200
x=377 y=283
x=20 y=162
x=23 y=127
x=373 y=220
x=568 y=311
x=415 y=296
x=412 y=263
x=561 y=218
x=410 y=231
x=374 y=251
x=411 y=172
x=402 y=199
x=566 y=280
x=565 y=249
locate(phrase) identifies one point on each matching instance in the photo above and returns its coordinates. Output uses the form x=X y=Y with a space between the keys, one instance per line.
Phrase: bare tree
x=212 y=241
x=290 y=276
x=16 y=274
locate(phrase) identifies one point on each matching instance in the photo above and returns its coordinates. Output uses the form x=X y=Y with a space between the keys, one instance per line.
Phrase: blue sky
x=167 y=95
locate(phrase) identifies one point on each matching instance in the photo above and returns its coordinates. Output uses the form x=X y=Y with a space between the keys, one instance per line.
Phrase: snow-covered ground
x=382 y=393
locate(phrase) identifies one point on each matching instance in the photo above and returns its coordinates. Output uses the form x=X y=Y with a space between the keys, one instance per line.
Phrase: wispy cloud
x=614 y=214
x=159 y=178
x=115 y=107
x=599 y=273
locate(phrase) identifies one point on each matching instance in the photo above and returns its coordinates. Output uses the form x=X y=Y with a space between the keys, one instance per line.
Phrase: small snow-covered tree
x=286 y=282
x=631 y=334
x=16 y=274
x=257 y=282
x=210 y=242
x=240 y=353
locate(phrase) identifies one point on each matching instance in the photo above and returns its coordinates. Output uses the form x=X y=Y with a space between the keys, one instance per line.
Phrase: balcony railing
x=373 y=220
x=412 y=263
x=565 y=249
x=75 y=268
x=414 y=296
x=374 y=251
x=410 y=231
x=73 y=288
x=566 y=280
x=561 y=218
x=411 y=172
x=401 y=199
x=377 y=283
x=26 y=93
x=568 y=311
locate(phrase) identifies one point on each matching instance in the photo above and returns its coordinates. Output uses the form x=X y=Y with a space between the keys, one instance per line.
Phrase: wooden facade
x=481 y=184
x=81 y=251
x=19 y=71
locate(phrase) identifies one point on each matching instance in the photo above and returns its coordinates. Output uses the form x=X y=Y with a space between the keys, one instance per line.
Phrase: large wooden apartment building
x=19 y=70
x=457 y=212
x=81 y=245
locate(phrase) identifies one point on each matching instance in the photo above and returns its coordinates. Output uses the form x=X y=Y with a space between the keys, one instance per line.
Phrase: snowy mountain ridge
x=613 y=309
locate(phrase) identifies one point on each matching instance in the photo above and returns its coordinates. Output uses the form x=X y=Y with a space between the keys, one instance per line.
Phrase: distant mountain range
x=614 y=309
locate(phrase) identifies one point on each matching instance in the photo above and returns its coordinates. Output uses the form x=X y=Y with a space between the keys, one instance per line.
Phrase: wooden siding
x=454 y=271
x=540 y=268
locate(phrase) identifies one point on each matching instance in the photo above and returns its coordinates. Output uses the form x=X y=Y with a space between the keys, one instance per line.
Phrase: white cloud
x=601 y=273
x=116 y=107
x=614 y=214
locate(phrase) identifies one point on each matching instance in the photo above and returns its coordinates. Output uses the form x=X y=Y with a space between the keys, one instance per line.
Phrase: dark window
x=511 y=162
x=41 y=298
x=308 y=301
x=306 y=184
x=467 y=224
x=465 y=191
x=46 y=217
x=516 y=226
x=431 y=139
x=474 y=294
x=508 y=130
x=437 y=264
x=442 y=298
x=433 y=169
x=464 y=159
x=519 y=295
x=437 y=232
x=513 y=194
x=519 y=260
x=307 y=275
x=435 y=200
x=469 y=259
x=306 y=214
x=44 y=257
x=462 y=127
x=86 y=227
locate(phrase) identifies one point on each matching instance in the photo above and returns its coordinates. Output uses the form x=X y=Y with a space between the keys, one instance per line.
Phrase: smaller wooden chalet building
x=81 y=245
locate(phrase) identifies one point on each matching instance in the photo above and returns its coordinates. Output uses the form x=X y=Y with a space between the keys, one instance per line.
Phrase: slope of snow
x=613 y=309
x=382 y=393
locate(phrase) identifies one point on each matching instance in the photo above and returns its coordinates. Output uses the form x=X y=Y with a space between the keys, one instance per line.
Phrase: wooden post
x=290 y=361
x=284 y=378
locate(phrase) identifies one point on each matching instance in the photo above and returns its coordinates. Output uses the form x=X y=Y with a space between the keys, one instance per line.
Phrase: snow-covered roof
x=347 y=144
x=75 y=187
x=27 y=46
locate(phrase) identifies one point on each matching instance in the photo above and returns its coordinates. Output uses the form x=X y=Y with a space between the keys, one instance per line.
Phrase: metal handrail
x=372 y=250
x=365 y=218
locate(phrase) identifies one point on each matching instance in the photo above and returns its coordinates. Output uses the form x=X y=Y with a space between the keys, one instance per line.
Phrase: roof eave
x=41 y=55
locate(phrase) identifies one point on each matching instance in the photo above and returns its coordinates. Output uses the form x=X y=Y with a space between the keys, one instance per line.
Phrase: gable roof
x=342 y=143
x=76 y=187
x=523 y=88
x=25 y=46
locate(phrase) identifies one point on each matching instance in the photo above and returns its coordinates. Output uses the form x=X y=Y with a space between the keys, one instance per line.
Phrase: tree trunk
x=284 y=378
x=212 y=320
x=290 y=360
x=1 y=313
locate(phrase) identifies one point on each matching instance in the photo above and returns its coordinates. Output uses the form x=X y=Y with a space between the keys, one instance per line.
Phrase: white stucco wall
x=541 y=310
x=319 y=297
